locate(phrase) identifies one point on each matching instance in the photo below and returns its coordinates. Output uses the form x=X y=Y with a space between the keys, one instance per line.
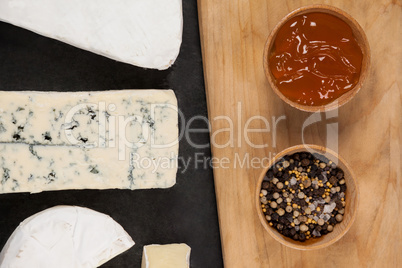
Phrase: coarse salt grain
x=325 y=179
x=316 y=233
x=329 y=208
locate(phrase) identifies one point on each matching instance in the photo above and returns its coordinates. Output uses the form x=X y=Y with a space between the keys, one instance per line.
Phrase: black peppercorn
x=314 y=167
x=270 y=211
x=343 y=188
x=275 y=216
x=333 y=180
x=270 y=174
x=332 y=221
x=305 y=162
x=265 y=185
x=302 y=237
x=292 y=231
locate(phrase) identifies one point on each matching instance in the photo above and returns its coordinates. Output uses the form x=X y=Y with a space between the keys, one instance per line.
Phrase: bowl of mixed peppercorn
x=307 y=197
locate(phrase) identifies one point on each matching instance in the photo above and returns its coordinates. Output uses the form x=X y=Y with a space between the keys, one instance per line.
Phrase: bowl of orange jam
x=317 y=58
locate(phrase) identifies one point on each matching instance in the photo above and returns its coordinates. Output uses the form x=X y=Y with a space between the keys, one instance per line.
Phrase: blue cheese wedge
x=166 y=256
x=146 y=33
x=126 y=139
x=65 y=237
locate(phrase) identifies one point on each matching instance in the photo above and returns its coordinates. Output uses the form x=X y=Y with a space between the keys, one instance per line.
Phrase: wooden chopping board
x=233 y=34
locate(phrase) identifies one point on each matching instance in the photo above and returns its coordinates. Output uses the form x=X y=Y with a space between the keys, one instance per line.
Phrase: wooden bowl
x=340 y=229
x=360 y=37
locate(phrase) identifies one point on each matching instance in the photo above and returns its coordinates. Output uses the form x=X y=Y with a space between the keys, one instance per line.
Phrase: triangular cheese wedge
x=146 y=33
x=166 y=256
x=65 y=237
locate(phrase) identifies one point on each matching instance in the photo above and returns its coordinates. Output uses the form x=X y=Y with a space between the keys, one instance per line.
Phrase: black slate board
x=184 y=213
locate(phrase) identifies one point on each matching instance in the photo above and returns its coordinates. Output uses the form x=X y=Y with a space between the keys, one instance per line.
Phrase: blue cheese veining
x=125 y=139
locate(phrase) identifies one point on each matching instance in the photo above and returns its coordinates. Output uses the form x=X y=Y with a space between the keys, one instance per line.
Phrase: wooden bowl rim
x=364 y=45
x=269 y=229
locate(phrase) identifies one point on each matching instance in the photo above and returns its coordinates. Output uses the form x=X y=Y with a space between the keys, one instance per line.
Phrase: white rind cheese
x=126 y=139
x=166 y=256
x=146 y=33
x=65 y=237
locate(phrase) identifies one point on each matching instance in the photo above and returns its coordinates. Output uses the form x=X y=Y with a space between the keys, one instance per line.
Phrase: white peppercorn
x=280 y=212
x=303 y=228
x=339 y=217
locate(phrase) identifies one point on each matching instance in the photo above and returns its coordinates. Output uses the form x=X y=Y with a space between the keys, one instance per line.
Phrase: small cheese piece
x=166 y=256
x=146 y=33
x=126 y=139
x=65 y=237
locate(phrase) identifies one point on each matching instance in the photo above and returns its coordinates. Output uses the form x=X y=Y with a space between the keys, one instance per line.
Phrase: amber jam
x=315 y=59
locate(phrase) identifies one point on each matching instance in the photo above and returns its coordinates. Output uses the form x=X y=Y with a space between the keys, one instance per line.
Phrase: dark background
x=184 y=213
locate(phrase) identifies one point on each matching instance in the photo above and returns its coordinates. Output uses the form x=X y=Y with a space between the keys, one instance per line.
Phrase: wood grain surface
x=368 y=131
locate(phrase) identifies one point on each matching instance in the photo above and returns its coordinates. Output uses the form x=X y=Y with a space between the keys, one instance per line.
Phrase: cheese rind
x=146 y=33
x=166 y=256
x=65 y=237
x=125 y=139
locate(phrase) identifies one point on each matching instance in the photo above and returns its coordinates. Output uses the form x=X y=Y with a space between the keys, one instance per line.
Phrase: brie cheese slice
x=65 y=237
x=166 y=256
x=146 y=33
